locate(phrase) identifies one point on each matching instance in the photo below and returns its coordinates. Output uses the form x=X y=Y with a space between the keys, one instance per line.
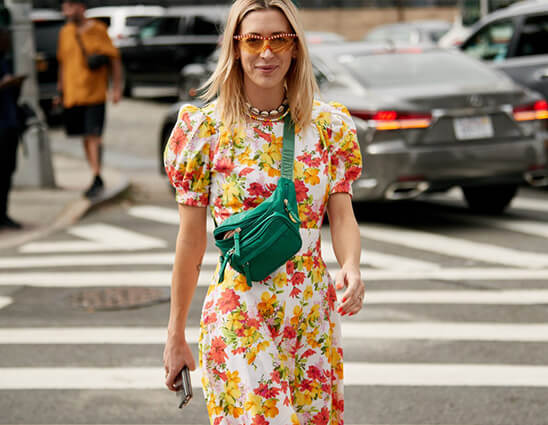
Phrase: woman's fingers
x=352 y=298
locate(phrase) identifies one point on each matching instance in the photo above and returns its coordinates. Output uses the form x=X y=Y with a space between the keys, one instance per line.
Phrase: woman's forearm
x=189 y=253
x=345 y=235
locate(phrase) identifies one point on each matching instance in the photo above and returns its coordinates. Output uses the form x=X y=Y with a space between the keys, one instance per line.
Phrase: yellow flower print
x=231 y=195
x=244 y=157
x=266 y=306
x=270 y=409
x=298 y=170
x=303 y=398
x=234 y=321
x=311 y=176
x=314 y=314
x=308 y=262
x=250 y=336
x=254 y=404
x=213 y=409
x=271 y=154
x=280 y=280
x=297 y=313
x=271 y=171
x=235 y=411
x=316 y=274
x=232 y=392
x=206 y=130
x=240 y=284
x=294 y=419
x=307 y=292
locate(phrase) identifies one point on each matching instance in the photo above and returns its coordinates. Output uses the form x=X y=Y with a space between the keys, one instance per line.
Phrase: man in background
x=10 y=87
x=83 y=90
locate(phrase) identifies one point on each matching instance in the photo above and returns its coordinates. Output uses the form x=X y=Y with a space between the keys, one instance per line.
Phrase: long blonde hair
x=226 y=82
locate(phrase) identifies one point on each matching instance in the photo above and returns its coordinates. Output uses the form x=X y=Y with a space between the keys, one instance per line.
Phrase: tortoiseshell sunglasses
x=255 y=43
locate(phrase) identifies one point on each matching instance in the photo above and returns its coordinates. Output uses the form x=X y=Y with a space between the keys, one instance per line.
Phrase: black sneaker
x=95 y=189
x=8 y=223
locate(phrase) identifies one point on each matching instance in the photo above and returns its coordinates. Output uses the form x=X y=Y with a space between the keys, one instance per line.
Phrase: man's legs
x=8 y=156
x=94 y=119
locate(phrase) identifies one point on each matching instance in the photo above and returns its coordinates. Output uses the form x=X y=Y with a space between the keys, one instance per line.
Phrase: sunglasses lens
x=253 y=44
x=282 y=43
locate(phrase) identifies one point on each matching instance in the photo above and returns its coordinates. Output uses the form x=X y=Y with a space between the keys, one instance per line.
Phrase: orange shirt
x=82 y=86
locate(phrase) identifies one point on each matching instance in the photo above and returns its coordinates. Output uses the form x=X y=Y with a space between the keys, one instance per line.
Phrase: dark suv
x=47 y=24
x=162 y=46
x=515 y=41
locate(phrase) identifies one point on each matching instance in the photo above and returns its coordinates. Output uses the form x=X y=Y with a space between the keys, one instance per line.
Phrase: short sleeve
x=345 y=156
x=105 y=45
x=187 y=156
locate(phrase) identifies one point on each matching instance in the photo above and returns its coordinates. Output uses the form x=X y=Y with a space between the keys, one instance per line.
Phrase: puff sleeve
x=345 y=157
x=187 y=156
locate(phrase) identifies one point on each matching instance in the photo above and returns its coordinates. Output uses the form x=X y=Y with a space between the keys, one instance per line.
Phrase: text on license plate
x=473 y=128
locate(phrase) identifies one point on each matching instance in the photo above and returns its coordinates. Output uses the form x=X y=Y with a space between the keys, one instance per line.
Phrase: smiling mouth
x=267 y=68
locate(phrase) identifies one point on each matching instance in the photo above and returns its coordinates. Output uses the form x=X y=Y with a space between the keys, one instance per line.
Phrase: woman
x=269 y=353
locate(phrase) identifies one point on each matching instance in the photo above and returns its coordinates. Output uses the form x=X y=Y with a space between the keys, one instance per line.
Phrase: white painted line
x=528 y=227
x=5 y=301
x=446 y=331
x=454 y=247
x=99 y=237
x=529 y=204
x=495 y=297
x=163 y=278
x=380 y=260
x=355 y=374
x=162 y=215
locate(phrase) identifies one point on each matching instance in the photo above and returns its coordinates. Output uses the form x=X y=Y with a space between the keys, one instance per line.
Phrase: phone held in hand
x=184 y=393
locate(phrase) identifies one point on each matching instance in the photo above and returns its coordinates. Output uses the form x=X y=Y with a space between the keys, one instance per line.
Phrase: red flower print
x=295 y=292
x=259 y=420
x=289 y=332
x=322 y=418
x=315 y=162
x=301 y=190
x=210 y=318
x=305 y=158
x=260 y=133
x=178 y=141
x=267 y=392
x=315 y=373
x=352 y=173
x=217 y=352
x=218 y=420
x=308 y=353
x=252 y=202
x=275 y=376
x=246 y=171
x=221 y=375
x=256 y=189
x=186 y=120
x=239 y=350
x=228 y=301
x=289 y=267
x=270 y=188
x=224 y=166
x=331 y=297
x=252 y=323
x=297 y=278
x=306 y=384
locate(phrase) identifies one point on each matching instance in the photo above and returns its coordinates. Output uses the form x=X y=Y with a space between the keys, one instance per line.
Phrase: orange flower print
x=229 y=301
x=217 y=352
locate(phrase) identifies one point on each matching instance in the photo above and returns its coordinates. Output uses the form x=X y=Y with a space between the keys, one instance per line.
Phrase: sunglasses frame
x=266 y=41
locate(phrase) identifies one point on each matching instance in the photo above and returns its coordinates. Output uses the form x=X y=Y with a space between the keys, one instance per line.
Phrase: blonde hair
x=226 y=82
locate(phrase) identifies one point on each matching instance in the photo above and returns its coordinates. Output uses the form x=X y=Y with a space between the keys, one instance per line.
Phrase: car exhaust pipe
x=406 y=190
x=537 y=178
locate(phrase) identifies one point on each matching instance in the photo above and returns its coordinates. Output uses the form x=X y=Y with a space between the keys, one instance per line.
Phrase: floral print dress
x=270 y=353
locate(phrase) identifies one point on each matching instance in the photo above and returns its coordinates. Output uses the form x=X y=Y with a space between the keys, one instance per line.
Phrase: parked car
x=411 y=32
x=431 y=121
x=161 y=47
x=47 y=24
x=124 y=21
x=514 y=40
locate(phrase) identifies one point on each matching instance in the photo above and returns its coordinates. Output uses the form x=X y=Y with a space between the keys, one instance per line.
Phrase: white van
x=123 y=21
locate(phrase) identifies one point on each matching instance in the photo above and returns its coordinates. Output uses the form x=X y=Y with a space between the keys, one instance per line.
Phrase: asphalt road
x=454 y=329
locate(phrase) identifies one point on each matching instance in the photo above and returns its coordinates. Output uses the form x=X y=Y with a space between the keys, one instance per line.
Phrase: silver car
x=431 y=119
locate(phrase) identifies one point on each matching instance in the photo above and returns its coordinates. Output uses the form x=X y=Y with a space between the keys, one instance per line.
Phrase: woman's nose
x=267 y=51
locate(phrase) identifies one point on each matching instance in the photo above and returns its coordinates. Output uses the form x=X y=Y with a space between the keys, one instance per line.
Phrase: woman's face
x=265 y=69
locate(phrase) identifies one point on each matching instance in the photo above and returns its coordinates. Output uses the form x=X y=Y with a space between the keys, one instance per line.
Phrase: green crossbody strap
x=288 y=149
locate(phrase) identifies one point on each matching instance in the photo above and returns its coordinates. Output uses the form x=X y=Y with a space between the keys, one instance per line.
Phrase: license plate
x=473 y=128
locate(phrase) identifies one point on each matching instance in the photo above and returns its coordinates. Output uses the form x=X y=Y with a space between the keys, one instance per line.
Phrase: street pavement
x=454 y=329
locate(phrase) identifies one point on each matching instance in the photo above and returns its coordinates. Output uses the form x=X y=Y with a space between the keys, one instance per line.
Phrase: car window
x=492 y=41
x=160 y=27
x=533 y=39
x=104 y=19
x=202 y=25
x=46 y=34
x=135 y=21
x=415 y=69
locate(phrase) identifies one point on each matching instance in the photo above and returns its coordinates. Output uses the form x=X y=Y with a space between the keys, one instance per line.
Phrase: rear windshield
x=45 y=35
x=404 y=69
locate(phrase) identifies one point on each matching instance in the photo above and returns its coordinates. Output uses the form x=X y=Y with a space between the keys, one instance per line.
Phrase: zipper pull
x=286 y=203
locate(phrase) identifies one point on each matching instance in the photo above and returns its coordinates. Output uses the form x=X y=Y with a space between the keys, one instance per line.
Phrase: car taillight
x=394 y=120
x=533 y=111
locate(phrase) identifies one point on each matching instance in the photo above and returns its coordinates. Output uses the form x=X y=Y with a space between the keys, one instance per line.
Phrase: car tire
x=489 y=199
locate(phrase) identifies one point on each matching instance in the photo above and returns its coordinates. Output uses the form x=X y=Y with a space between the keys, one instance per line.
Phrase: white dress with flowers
x=270 y=354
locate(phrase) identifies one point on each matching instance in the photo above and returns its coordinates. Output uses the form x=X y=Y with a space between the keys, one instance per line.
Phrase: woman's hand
x=352 y=298
x=176 y=355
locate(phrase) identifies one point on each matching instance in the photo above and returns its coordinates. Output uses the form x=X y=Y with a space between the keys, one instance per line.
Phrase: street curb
x=72 y=212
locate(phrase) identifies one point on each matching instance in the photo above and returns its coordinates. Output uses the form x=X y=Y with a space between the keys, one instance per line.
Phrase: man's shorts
x=85 y=120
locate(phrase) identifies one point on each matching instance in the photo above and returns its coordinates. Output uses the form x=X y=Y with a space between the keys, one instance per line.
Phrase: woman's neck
x=264 y=99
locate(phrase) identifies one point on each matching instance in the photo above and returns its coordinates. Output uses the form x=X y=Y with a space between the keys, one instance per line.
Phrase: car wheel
x=489 y=199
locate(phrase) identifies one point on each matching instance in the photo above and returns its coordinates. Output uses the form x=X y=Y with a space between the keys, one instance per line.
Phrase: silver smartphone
x=184 y=393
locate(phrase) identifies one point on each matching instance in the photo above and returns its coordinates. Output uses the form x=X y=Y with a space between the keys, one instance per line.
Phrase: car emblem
x=475 y=100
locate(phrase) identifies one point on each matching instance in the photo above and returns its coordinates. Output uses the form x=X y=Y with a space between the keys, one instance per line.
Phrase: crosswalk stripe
x=529 y=204
x=355 y=374
x=454 y=247
x=528 y=227
x=496 y=297
x=446 y=331
x=162 y=215
x=163 y=278
x=99 y=237
x=5 y=301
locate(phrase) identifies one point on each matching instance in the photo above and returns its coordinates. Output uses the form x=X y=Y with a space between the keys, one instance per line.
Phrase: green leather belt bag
x=267 y=236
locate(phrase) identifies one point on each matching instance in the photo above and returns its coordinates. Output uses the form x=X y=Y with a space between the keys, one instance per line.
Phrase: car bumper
x=395 y=170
